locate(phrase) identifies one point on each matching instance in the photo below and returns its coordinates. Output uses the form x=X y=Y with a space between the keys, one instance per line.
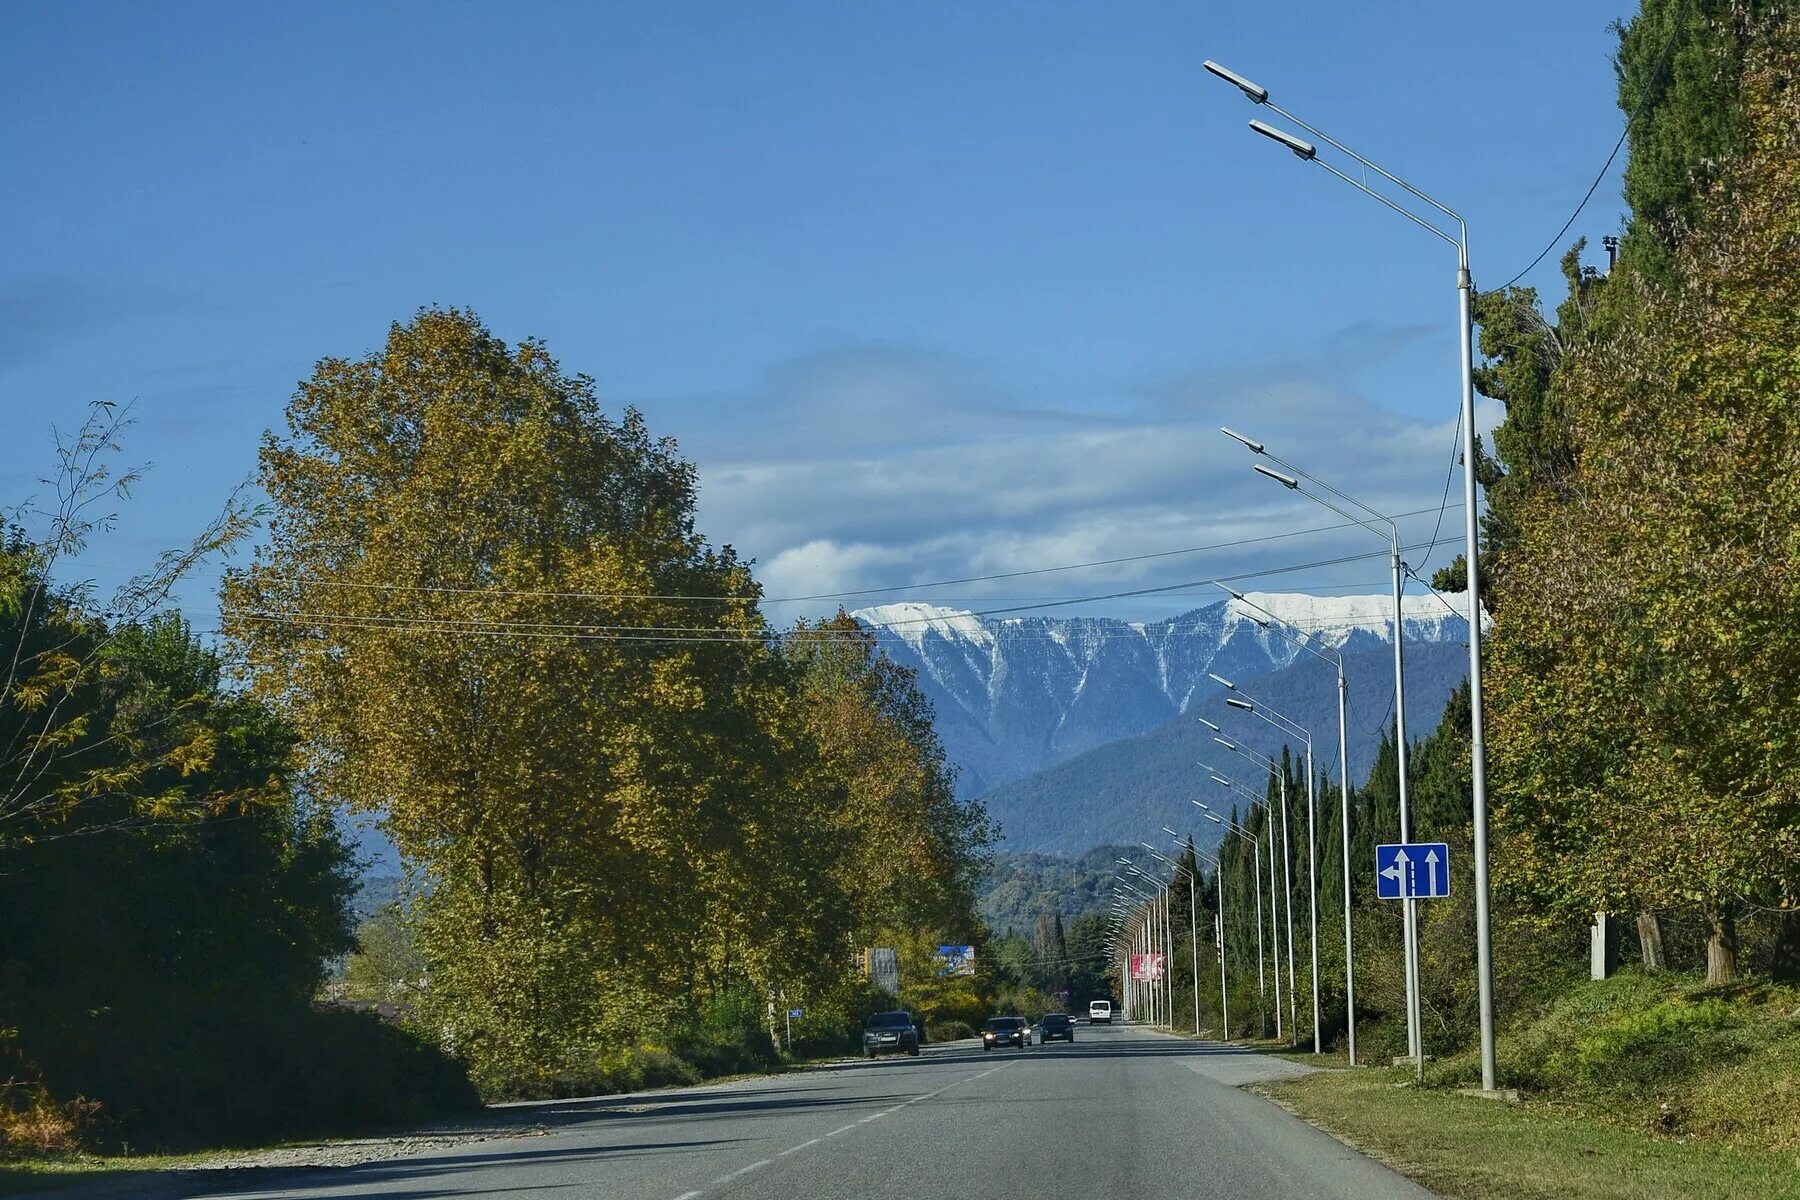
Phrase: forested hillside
x=1019 y=889
x=1118 y=791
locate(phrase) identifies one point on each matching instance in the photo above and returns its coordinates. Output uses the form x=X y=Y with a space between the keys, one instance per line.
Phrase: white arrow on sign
x=1398 y=871
x=1431 y=861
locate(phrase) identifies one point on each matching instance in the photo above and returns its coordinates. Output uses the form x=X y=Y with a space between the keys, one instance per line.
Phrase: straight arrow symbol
x=1431 y=861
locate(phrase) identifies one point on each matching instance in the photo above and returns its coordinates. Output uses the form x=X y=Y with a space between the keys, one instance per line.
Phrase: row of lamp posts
x=1377 y=523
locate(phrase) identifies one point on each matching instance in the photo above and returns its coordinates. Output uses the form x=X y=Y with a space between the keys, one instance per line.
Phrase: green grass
x=1473 y=1149
x=1660 y=1053
x=46 y=1175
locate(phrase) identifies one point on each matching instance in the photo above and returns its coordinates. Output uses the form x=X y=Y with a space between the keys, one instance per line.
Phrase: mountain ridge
x=1016 y=695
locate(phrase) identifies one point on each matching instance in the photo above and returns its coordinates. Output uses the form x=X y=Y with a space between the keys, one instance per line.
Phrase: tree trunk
x=1721 y=945
x=1649 y=930
x=1786 y=963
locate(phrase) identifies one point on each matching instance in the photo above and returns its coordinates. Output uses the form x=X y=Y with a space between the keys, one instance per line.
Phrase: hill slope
x=1126 y=790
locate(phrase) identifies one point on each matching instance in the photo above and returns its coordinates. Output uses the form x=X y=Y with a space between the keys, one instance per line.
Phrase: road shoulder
x=1465 y=1148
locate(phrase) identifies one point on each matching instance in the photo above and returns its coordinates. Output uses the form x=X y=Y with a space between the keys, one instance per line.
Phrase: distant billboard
x=956 y=960
x=1146 y=968
x=884 y=969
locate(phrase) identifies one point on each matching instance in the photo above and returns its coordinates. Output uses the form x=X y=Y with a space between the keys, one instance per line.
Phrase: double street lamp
x=1238 y=830
x=1308 y=152
x=1306 y=641
x=1218 y=937
x=1292 y=727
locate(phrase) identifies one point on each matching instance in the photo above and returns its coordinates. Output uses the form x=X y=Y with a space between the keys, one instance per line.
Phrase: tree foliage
x=1645 y=733
x=485 y=606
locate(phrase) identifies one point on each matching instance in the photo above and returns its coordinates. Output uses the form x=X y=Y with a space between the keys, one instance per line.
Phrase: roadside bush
x=948 y=1031
x=211 y=1076
x=33 y=1123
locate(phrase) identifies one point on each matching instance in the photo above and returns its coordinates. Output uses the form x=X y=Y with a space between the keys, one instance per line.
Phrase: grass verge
x=1466 y=1148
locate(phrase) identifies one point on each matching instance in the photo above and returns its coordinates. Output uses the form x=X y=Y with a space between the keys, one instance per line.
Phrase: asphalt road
x=1119 y=1113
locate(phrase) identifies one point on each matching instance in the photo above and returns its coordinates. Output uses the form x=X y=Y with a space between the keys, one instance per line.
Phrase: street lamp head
x=1286 y=481
x=1236 y=702
x=1226 y=744
x=1305 y=150
x=1220 y=679
x=1170 y=832
x=1254 y=91
x=1256 y=447
x=1221 y=781
x=1209 y=724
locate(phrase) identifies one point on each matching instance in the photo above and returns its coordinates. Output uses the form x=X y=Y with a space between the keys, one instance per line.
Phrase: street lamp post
x=1391 y=534
x=1193 y=928
x=1484 y=945
x=1290 y=726
x=1262 y=994
x=1274 y=909
x=1287 y=854
x=1219 y=939
x=1304 y=640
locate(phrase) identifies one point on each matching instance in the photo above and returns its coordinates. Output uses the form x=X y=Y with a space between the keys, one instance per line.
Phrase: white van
x=1099 y=1012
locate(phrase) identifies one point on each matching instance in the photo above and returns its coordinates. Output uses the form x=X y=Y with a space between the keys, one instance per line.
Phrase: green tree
x=1644 y=745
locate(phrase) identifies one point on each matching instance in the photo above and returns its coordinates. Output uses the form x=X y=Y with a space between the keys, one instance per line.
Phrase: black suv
x=890 y=1033
x=1055 y=1026
x=1005 y=1031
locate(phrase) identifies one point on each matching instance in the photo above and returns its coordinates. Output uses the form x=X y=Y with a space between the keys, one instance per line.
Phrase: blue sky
x=926 y=290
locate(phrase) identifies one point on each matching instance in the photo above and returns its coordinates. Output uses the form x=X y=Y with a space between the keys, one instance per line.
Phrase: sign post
x=1413 y=871
x=791 y=1014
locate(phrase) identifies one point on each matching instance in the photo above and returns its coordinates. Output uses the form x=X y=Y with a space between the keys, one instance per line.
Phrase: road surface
x=1120 y=1113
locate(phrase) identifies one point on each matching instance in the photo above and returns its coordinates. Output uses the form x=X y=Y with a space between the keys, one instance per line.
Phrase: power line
x=700 y=634
x=845 y=595
x=1643 y=99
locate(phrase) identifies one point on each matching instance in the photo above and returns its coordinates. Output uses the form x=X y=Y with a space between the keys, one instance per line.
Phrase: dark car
x=1005 y=1031
x=890 y=1033
x=1056 y=1026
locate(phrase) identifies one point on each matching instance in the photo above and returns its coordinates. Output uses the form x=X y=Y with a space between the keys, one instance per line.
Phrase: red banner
x=1146 y=968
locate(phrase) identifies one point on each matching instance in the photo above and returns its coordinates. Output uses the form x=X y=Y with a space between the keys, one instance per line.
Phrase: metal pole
x=1287 y=888
x=1262 y=992
x=1312 y=887
x=1274 y=930
x=1224 y=995
x=1484 y=941
x=1409 y=914
x=1168 y=958
x=1194 y=944
x=1344 y=829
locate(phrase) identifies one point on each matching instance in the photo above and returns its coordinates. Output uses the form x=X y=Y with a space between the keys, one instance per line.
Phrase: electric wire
x=1643 y=100
x=844 y=595
x=698 y=634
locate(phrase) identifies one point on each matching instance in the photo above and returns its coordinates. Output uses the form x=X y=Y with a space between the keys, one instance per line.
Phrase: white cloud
x=884 y=468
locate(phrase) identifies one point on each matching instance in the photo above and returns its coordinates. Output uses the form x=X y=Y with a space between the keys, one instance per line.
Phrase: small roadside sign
x=794 y=1014
x=1412 y=871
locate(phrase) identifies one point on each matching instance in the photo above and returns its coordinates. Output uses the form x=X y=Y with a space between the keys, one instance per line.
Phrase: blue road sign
x=796 y=1013
x=1412 y=871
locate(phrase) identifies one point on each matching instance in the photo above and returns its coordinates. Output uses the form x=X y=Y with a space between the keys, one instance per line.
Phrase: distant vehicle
x=1055 y=1026
x=890 y=1033
x=1100 y=1012
x=1005 y=1031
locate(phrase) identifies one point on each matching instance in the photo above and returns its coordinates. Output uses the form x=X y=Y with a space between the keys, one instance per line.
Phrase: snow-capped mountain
x=1015 y=695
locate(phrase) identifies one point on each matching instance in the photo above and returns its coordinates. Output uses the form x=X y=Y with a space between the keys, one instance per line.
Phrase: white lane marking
x=757 y=1166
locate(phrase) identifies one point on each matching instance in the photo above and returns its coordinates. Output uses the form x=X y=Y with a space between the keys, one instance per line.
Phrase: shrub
x=33 y=1123
x=948 y=1031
